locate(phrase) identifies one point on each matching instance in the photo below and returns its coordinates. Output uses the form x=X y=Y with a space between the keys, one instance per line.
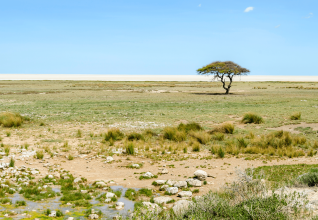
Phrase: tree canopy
x=223 y=70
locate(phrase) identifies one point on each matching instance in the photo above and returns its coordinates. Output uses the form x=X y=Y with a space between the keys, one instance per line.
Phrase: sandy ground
x=149 y=77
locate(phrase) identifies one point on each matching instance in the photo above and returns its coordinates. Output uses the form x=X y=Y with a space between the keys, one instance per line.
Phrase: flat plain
x=116 y=132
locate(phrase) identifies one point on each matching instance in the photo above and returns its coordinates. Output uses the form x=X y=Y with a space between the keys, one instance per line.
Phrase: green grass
x=278 y=175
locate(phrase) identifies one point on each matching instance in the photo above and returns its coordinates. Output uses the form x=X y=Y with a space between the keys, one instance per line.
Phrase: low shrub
x=201 y=136
x=39 y=154
x=218 y=136
x=130 y=148
x=221 y=152
x=174 y=134
x=192 y=126
x=242 y=143
x=20 y=203
x=196 y=147
x=114 y=134
x=9 y=119
x=310 y=179
x=250 y=118
x=12 y=162
x=134 y=136
x=295 y=116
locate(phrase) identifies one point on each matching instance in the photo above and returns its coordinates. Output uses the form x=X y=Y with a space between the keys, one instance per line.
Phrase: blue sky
x=157 y=37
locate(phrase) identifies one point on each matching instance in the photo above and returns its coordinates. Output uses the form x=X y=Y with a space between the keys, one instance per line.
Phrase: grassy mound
x=9 y=119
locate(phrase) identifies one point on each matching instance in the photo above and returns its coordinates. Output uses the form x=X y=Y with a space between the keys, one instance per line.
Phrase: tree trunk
x=227 y=89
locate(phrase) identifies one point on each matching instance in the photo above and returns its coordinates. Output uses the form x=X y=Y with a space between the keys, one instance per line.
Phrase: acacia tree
x=223 y=70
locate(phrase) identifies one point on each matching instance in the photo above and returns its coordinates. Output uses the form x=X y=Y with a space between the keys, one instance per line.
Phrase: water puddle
x=54 y=204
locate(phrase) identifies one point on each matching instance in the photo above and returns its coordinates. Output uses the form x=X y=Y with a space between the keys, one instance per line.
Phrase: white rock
x=164 y=171
x=50 y=176
x=185 y=194
x=172 y=190
x=160 y=182
x=109 y=159
x=53 y=214
x=100 y=184
x=171 y=182
x=162 y=199
x=135 y=165
x=180 y=184
x=200 y=174
x=77 y=180
x=93 y=216
x=148 y=175
x=110 y=195
x=120 y=205
x=194 y=182
x=181 y=206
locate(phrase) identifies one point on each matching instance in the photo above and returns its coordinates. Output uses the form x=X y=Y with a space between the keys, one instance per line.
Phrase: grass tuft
x=295 y=116
x=9 y=119
x=252 y=118
x=114 y=134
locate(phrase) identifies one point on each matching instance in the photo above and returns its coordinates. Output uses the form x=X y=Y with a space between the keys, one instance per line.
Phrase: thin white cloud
x=310 y=15
x=277 y=26
x=248 y=9
x=199 y=5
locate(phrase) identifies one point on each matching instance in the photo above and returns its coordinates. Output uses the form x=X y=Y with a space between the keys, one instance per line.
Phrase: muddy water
x=54 y=204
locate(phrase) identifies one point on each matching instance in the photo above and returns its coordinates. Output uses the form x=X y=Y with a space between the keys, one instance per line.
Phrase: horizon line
x=178 y=78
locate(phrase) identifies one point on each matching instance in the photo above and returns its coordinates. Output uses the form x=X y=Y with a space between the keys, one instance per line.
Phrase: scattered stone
x=194 y=182
x=109 y=159
x=171 y=182
x=164 y=171
x=135 y=165
x=180 y=184
x=53 y=214
x=77 y=180
x=110 y=195
x=160 y=182
x=185 y=194
x=120 y=205
x=148 y=175
x=200 y=174
x=84 y=191
x=100 y=184
x=162 y=199
x=172 y=190
x=181 y=206
x=93 y=216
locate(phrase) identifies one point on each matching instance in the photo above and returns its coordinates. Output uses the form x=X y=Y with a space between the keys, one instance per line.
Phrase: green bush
x=114 y=134
x=174 y=134
x=20 y=203
x=250 y=118
x=221 y=152
x=201 y=136
x=39 y=155
x=130 y=148
x=134 y=136
x=310 y=179
x=196 y=147
x=12 y=162
x=295 y=116
x=218 y=136
x=242 y=143
x=9 y=119
x=193 y=126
